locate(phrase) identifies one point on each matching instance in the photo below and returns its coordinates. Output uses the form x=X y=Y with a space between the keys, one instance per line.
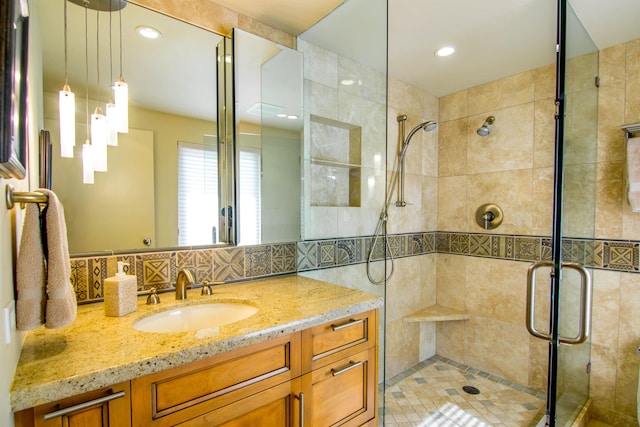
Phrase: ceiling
x=493 y=38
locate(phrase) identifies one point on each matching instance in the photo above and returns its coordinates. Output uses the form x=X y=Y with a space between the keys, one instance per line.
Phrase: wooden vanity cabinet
x=107 y=407
x=326 y=374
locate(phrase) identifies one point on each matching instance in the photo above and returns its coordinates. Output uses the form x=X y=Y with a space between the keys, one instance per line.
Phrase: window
x=197 y=194
x=249 y=196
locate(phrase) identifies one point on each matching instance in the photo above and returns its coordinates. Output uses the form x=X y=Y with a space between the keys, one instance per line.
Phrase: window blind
x=197 y=194
x=249 y=196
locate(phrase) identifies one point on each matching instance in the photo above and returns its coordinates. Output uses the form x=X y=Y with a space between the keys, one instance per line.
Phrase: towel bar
x=23 y=197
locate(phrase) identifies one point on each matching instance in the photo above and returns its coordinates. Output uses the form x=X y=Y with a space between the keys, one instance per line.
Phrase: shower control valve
x=489 y=216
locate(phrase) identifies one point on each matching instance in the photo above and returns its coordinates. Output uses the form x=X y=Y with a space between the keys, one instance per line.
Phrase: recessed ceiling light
x=445 y=51
x=148 y=32
x=347 y=82
x=282 y=115
x=292 y=117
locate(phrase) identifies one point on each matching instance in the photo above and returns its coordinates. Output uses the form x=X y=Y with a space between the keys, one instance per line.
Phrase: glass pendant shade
x=121 y=97
x=112 y=121
x=87 y=163
x=67 y=107
x=99 y=136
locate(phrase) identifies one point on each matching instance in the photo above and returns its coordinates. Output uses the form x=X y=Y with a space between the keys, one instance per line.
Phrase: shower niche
x=336 y=163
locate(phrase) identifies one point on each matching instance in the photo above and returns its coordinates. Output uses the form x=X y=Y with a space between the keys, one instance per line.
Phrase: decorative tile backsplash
x=159 y=269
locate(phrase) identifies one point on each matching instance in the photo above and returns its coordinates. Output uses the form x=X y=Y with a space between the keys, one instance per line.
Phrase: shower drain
x=470 y=389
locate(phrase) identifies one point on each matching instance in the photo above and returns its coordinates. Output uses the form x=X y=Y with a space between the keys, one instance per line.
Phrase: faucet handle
x=206 y=288
x=153 y=297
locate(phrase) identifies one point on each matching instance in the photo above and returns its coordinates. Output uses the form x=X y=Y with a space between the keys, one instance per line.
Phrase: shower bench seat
x=437 y=313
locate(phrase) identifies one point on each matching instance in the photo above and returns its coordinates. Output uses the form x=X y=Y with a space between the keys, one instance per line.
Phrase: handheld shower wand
x=396 y=177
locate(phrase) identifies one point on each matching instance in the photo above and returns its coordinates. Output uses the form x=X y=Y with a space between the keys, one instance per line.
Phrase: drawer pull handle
x=350 y=366
x=351 y=322
x=83 y=405
x=300 y=397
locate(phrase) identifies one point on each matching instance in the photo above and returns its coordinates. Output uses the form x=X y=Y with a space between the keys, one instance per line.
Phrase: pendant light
x=121 y=92
x=67 y=104
x=87 y=149
x=111 y=110
x=99 y=127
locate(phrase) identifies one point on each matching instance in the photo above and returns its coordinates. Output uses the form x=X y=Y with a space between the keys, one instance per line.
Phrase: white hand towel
x=61 y=298
x=633 y=173
x=30 y=277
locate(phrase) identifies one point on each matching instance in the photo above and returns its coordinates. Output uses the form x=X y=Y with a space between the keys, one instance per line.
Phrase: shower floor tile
x=431 y=394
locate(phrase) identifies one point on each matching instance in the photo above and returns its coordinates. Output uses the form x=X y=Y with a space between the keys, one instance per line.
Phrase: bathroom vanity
x=307 y=357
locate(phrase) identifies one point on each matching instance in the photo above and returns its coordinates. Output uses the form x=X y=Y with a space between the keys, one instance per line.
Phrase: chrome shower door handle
x=531 y=299
x=585 y=302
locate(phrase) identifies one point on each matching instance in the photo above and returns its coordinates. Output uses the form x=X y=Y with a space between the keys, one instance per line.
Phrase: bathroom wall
x=513 y=168
x=11 y=231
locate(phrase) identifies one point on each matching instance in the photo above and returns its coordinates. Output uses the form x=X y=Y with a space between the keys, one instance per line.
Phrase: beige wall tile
x=542 y=210
x=509 y=146
x=507 y=92
x=579 y=200
x=511 y=190
x=602 y=388
x=632 y=52
x=606 y=309
x=452 y=148
x=629 y=339
x=545 y=82
x=320 y=65
x=612 y=67
x=538 y=364
x=581 y=133
x=498 y=347
x=452 y=215
x=429 y=213
x=496 y=289
x=449 y=339
x=453 y=107
x=451 y=280
x=611 y=139
x=610 y=197
x=582 y=71
x=544 y=139
x=405 y=98
x=402 y=347
x=632 y=104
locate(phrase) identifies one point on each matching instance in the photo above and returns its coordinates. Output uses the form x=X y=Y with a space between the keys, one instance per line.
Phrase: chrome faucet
x=184 y=279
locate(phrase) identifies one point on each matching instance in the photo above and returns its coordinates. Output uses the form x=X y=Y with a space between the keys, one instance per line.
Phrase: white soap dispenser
x=120 y=293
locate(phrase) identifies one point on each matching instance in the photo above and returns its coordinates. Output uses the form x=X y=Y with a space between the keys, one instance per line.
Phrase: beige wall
x=513 y=168
x=11 y=229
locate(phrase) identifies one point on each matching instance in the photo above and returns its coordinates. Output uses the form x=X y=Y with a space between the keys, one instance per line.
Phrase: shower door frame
x=557 y=232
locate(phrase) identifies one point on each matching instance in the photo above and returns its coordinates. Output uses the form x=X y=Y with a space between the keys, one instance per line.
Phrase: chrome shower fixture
x=484 y=129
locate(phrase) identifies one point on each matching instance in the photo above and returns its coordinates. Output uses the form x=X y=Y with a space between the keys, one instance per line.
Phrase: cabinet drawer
x=110 y=406
x=342 y=393
x=178 y=394
x=275 y=407
x=332 y=341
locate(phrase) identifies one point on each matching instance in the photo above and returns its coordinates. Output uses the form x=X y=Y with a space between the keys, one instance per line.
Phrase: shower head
x=427 y=126
x=484 y=129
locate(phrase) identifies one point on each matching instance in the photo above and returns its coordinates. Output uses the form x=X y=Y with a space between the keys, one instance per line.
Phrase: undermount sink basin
x=195 y=317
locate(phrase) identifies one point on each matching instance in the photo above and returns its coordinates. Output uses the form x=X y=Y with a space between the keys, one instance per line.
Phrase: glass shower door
x=567 y=300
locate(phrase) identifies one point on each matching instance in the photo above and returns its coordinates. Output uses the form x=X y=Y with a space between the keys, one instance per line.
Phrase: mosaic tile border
x=159 y=269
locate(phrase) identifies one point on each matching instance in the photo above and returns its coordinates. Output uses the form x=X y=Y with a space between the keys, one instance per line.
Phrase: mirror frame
x=13 y=61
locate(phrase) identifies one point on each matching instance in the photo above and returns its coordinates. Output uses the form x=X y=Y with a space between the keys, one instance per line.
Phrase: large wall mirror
x=162 y=180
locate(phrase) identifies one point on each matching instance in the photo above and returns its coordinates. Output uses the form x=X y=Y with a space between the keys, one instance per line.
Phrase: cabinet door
x=274 y=407
x=108 y=407
x=342 y=393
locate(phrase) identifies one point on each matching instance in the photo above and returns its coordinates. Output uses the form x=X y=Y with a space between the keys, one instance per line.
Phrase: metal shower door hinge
x=588 y=368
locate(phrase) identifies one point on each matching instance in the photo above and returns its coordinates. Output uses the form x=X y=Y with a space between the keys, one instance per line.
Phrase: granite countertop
x=96 y=351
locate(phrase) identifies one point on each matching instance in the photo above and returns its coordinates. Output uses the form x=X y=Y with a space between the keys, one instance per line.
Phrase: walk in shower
x=454 y=342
